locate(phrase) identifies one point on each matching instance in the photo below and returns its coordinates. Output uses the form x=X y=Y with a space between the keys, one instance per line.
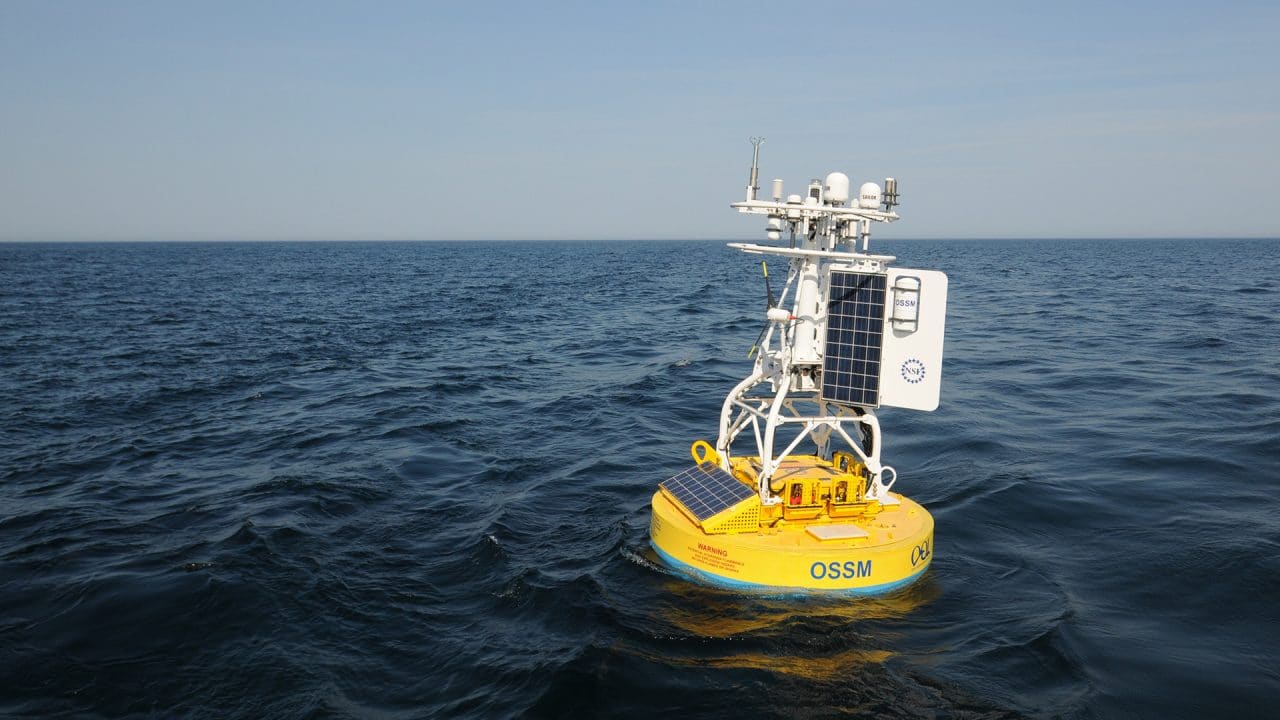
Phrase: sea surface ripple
x=404 y=480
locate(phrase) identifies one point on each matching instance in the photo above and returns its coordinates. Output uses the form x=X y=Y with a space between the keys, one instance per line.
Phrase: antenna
x=754 y=185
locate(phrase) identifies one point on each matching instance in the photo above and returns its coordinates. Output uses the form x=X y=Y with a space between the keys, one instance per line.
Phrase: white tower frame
x=822 y=235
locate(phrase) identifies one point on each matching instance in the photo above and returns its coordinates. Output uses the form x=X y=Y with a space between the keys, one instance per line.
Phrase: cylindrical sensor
x=890 y=192
x=906 y=303
x=777 y=189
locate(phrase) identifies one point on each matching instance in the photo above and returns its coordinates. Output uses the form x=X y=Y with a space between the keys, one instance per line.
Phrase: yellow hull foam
x=866 y=555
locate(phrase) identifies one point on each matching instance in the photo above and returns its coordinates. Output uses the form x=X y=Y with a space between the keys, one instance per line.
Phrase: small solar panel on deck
x=855 y=335
x=706 y=490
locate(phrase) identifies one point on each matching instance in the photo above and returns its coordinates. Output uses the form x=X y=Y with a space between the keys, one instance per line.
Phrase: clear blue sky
x=320 y=120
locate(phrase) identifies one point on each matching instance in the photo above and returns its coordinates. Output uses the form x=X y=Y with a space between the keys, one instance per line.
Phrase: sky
x=176 y=120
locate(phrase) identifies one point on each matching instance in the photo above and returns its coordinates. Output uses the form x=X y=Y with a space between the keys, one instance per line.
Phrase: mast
x=802 y=385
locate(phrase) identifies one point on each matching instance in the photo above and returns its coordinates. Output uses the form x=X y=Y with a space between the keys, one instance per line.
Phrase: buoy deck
x=817 y=543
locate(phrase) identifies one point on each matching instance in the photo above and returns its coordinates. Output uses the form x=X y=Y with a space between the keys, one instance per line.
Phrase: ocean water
x=403 y=480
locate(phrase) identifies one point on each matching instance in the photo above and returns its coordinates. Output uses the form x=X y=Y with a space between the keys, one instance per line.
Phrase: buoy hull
x=896 y=550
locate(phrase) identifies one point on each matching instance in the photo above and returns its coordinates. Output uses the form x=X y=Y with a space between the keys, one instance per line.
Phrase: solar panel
x=706 y=490
x=855 y=334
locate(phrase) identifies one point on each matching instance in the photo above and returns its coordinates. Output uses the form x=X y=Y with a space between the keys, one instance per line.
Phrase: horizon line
x=979 y=238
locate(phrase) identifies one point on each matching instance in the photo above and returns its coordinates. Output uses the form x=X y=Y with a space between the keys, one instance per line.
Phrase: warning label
x=712 y=556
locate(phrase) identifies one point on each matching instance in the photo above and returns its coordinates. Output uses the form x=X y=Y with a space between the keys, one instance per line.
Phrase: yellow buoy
x=824 y=540
x=858 y=335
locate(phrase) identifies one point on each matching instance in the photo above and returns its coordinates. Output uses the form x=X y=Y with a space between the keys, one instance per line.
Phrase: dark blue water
x=411 y=480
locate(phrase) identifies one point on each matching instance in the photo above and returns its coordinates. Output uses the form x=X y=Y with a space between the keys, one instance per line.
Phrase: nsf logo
x=912 y=371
